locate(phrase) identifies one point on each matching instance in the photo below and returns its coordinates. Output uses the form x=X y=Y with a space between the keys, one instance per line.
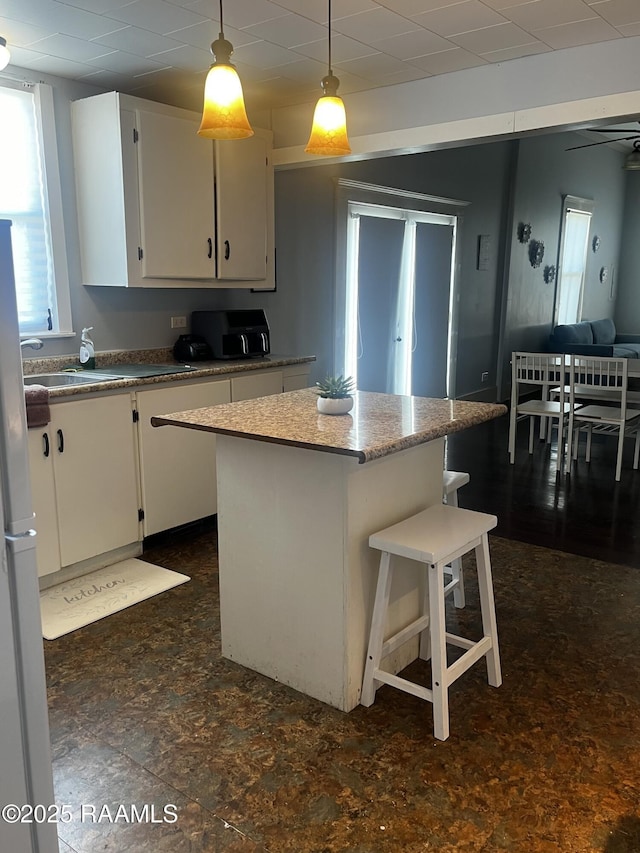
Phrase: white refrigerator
x=25 y=756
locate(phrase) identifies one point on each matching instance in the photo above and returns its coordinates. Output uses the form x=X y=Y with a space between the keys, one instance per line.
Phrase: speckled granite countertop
x=378 y=425
x=156 y=357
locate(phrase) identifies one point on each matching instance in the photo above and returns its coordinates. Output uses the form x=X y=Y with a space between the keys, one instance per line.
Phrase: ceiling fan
x=634 y=135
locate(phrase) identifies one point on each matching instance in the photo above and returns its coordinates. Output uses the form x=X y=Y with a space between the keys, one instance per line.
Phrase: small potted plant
x=334 y=395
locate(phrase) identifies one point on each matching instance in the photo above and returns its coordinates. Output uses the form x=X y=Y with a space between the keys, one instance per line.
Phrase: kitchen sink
x=57 y=380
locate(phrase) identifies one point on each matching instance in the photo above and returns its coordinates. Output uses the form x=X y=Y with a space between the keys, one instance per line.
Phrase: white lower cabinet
x=85 y=481
x=256 y=384
x=43 y=499
x=178 y=466
x=93 y=468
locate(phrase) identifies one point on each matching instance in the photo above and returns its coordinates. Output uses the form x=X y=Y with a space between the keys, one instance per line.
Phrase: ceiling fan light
x=5 y=55
x=223 y=114
x=632 y=161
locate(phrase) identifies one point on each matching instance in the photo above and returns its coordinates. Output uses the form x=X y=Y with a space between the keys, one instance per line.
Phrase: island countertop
x=378 y=424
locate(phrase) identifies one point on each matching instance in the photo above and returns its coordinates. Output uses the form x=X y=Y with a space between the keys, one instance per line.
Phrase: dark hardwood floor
x=585 y=513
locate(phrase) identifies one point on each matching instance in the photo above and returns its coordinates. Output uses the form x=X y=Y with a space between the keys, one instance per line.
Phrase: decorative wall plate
x=604 y=274
x=549 y=274
x=595 y=243
x=524 y=232
x=536 y=252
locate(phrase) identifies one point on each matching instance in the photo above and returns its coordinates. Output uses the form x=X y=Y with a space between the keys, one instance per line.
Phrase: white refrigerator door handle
x=21 y=541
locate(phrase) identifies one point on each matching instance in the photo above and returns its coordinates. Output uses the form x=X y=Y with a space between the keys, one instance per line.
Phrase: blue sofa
x=594 y=337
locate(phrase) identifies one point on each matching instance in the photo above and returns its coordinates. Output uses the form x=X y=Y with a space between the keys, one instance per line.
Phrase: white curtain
x=22 y=201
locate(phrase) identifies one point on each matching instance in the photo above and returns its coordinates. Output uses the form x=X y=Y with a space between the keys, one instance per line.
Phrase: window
x=573 y=258
x=30 y=197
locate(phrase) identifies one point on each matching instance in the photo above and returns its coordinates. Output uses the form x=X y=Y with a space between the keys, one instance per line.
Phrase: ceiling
x=159 y=49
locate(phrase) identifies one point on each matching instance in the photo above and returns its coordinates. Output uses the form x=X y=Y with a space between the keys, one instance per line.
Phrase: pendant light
x=329 y=128
x=632 y=160
x=223 y=115
x=5 y=56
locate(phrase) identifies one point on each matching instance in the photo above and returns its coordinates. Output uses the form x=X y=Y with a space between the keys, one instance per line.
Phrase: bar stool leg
x=376 y=637
x=424 y=652
x=487 y=606
x=456 y=565
x=437 y=629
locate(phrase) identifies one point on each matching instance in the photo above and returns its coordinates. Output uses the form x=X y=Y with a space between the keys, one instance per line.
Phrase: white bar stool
x=451 y=482
x=435 y=537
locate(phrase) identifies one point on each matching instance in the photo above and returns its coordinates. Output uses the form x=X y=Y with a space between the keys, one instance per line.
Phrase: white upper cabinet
x=158 y=206
x=175 y=179
x=241 y=198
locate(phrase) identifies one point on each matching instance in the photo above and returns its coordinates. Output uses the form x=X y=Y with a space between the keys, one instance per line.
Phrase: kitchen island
x=299 y=493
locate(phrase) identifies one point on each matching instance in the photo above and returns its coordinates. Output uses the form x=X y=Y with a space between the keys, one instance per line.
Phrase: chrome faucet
x=34 y=343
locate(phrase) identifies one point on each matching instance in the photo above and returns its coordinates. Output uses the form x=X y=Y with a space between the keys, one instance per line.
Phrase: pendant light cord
x=221 y=25
x=330 y=69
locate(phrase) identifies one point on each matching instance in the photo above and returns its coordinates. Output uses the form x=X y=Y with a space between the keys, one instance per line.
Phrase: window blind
x=22 y=200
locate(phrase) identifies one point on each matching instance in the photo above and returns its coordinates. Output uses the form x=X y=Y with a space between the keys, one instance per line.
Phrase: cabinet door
x=295 y=378
x=241 y=208
x=257 y=384
x=175 y=168
x=43 y=498
x=178 y=466
x=96 y=478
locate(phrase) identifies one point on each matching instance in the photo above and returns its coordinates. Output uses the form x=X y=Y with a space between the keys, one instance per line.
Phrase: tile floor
x=145 y=711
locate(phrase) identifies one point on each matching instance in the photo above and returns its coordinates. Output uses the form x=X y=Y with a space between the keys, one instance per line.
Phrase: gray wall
x=627 y=310
x=303 y=308
x=546 y=172
x=301 y=311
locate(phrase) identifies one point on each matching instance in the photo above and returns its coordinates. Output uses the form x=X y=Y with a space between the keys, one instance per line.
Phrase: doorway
x=399 y=299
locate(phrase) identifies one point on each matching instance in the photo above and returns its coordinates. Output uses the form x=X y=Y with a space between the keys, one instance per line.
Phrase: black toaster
x=192 y=348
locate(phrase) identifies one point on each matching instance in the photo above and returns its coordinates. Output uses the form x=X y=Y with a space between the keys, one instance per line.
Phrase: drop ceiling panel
x=619 y=12
x=156 y=15
x=343 y=48
x=417 y=43
x=464 y=17
x=263 y=54
x=373 y=67
x=280 y=46
x=288 y=31
x=492 y=38
x=68 y=47
x=374 y=25
x=136 y=41
x=572 y=35
x=517 y=52
x=247 y=13
x=550 y=13
x=448 y=60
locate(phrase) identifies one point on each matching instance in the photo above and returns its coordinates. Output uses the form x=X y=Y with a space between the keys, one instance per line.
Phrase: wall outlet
x=178 y=322
x=485 y=376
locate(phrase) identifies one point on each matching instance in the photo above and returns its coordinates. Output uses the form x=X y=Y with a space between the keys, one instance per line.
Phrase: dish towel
x=36 y=398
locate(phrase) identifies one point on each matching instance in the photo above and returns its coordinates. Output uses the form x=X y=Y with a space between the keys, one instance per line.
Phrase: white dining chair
x=538 y=373
x=609 y=377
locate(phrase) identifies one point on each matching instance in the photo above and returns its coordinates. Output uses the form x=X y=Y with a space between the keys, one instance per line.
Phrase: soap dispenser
x=87 y=350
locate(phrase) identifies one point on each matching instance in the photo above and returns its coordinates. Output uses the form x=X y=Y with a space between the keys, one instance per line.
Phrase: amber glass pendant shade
x=5 y=56
x=224 y=115
x=329 y=128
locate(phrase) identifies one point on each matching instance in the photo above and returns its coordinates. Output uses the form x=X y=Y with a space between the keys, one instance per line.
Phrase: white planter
x=340 y=406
